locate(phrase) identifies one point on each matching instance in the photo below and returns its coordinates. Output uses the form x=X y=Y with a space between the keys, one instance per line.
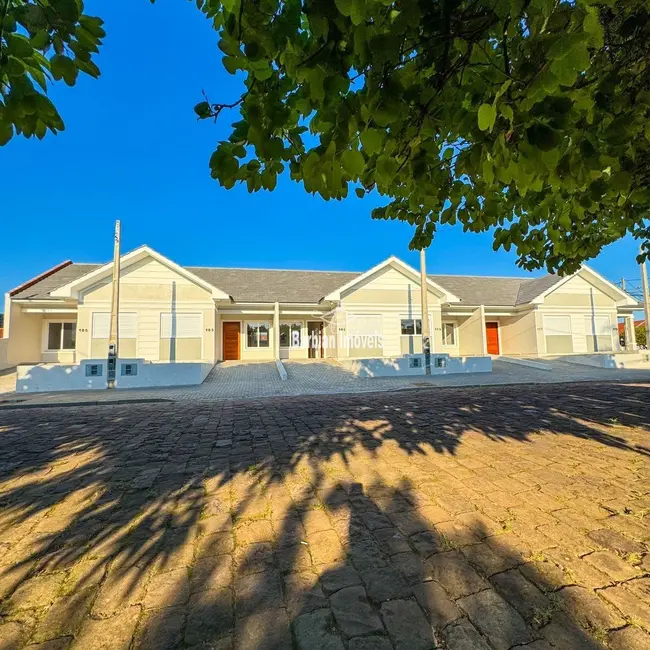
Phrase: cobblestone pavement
x=238 y=380
x=468 y=519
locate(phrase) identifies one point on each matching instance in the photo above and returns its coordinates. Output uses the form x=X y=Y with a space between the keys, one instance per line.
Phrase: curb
x=45 y=405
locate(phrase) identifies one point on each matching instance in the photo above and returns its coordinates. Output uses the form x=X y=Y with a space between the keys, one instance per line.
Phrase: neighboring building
x=174 y=313
x=2 y=322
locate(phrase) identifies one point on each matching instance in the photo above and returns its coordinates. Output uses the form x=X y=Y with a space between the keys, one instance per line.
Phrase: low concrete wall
x=413 y=365
x=45 y=377
x=4 y=347
x=638 y=360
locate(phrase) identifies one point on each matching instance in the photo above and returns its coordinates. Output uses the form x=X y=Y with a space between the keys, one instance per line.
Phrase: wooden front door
x=231 y=334
x=492 y=333
x=315 y=334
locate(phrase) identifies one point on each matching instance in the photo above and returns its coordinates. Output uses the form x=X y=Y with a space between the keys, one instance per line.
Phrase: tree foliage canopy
x=529 y=117
x=41 y=41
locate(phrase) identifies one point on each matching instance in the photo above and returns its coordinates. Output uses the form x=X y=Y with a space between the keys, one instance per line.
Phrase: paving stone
x=317 y=630
x=254 y=532
x=55 y=644
x=455 y=574
x=406 y=625
x=325 y=547
x=257 y=592
x=209 y=617
x=212 y=572
x=215 y=544
x=121 y=589
x=412 y=567
x=630 y=601
x=457 y=534
x=338 y=578
x=268 y=630
x=113 y=633
x=434 y=600
x=366 y=555
x=428 y=543
x=496 y=619
x=353 y=613
x=161 y=629
x=13 y=635
x=254 y=558
x=36 y=592
x=612 y=565
x=487 y=560
x=562 y=632
x=578 y=570
x=520 y=593
x=370 y=643
x=588 y=609
x=535 y=645
x=391 y=541
x=629 y=638
x=462 y=635
x=303 y=593
x=385 y=583
x=65 y=615
x=168 y=589
x=614 y=541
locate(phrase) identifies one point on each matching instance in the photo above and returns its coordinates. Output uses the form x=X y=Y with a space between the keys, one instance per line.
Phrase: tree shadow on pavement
x=309 y=522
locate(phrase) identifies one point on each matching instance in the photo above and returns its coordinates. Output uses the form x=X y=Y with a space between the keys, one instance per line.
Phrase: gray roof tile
x=263 y=285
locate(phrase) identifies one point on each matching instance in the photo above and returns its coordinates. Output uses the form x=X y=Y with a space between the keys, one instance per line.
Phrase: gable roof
x=478 y=290
x=310 y=287
x=41 y=286
x=397 y=264
x=274 y=285
x=72 y=289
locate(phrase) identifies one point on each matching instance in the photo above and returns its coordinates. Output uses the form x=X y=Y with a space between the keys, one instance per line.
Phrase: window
x=180 y=326
x=129 y=369
x=257 y=335
x=94 y=370
x=290 y=335
x=557 y=331
x=61 y=336
x=599 y=333
x=449 y=334
x=101 y=325
x=411 y=326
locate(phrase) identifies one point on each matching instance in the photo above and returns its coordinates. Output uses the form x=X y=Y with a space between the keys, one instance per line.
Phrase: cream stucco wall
x=149 y=288
x=394 y=296
x=519 y=334
x=471 y=334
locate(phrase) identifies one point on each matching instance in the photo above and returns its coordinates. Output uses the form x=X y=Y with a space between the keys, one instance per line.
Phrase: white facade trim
x=397 y=264
x=72 y=289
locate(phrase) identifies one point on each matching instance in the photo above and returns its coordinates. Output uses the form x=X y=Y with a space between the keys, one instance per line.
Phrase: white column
x=630 y=333
x=276 y=328
x=483 y=333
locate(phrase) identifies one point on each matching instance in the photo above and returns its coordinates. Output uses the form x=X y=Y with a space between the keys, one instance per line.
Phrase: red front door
x=492 y=334
x=231 y=341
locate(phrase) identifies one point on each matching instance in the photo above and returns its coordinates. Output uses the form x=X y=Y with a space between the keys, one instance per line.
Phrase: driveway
x=243 y=380
x=475 y=517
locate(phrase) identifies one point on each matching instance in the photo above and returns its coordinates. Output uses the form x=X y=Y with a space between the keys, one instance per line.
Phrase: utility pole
x=646 y=300
x=113 y=337
x=426 y=335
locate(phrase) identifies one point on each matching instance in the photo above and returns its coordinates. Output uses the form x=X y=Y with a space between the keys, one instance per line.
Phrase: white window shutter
x=101 y=325
x=557 y=325
x=182 y=326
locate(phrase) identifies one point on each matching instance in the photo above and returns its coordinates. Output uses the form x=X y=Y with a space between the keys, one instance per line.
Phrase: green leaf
x=344 y=6
x=6 y=132
x=487 y=115
x=353 y=162
x=372 y=141
x=542 y=136
x=202 y=109
x=360 y=192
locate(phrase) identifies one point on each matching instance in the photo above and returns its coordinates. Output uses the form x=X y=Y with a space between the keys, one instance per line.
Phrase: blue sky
x=133 y=150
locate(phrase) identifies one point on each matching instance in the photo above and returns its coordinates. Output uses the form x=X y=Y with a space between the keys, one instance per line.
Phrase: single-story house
x=171 y=313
